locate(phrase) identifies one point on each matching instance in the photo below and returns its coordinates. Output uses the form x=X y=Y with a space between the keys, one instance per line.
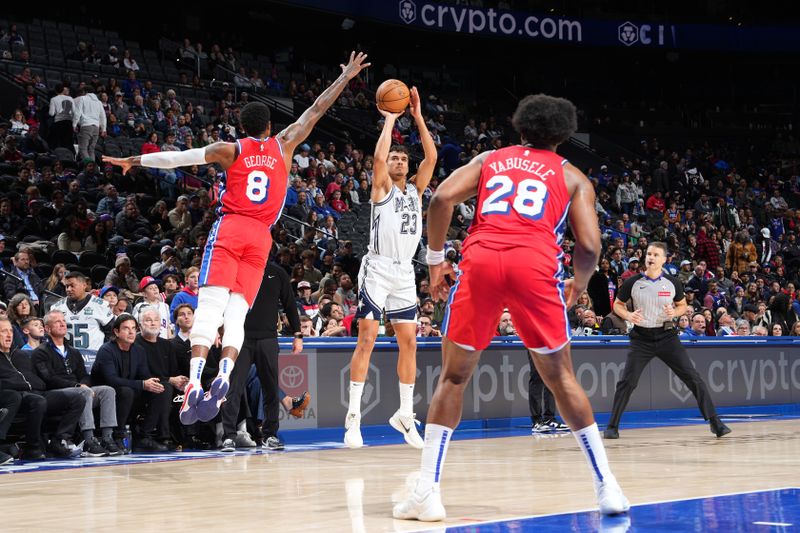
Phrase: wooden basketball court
x=485 y=479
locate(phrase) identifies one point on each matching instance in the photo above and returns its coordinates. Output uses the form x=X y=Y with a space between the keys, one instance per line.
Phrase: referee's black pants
x=232 y=406
x=540 y=400
x=264 y=353
x=647 y=343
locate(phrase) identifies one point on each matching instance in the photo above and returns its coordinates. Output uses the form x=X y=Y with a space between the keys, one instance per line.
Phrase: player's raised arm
x=428 y=164
x=297 y=132
x=220 y=152
x=583 y=221
x=381 y=182
x=460 y=186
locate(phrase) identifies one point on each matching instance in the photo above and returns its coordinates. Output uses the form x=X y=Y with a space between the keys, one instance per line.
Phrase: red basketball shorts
x=236 y=254
x=519 y=279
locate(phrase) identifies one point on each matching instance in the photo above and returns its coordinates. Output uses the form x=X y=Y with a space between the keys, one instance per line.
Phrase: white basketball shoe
x=407 y=426
x=352 y=434
x=610 y=497
x=425 y=508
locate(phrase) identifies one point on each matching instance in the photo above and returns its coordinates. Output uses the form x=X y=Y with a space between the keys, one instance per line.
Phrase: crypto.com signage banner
x=545 y=28
x=736 y=376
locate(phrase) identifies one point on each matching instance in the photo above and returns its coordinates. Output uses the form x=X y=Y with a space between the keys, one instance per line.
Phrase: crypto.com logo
x=678 y=388
x=628 y=33
x=408 y=11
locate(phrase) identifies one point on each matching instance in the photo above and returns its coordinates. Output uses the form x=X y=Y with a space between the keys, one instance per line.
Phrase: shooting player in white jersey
x=386 y=279
x=88 y=317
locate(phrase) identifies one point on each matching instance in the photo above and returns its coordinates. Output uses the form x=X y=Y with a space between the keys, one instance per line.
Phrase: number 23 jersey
x=522 y=201
x=255 y=184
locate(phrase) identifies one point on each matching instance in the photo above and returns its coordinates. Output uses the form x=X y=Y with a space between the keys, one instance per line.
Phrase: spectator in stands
x=766 y=247
x=20 y=308
x=71 y=239
x=152 y=298
x=23 y=279
x=188 y=295
x=61 y=367
x=133 y=226
x=110 y=295
x=161 y=361
x=129 y=63
x=89 y=121
x=36 y=402
x=122 y=365
x=727 y=324
x=760 y=331
x=795 y=331
x=603 y=287
x=122 y=275
x=742 y=327
x=776 y=330
x=19 y=124
x=697 y=326
x=179 y=217
x=55 y=283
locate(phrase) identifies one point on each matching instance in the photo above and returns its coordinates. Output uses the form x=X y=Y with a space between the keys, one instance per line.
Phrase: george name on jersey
x=526 y=165
x=260 y=161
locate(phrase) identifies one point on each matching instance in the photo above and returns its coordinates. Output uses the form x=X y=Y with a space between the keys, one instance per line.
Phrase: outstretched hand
x=124 y=162
x=416 y=108
x=355 y=65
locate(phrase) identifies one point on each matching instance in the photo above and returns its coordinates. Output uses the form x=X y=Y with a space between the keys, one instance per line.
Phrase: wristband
x=433 y=257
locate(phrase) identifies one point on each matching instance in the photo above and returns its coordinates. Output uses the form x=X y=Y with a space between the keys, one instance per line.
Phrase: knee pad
x=211 y=304
x=235 y=314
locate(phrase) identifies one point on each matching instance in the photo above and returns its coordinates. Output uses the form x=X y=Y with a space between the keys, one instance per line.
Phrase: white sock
x=592 y=445
x=407 y=399
x=196 y=366
x=356 y=389
x=437 y=440
x=225 y=367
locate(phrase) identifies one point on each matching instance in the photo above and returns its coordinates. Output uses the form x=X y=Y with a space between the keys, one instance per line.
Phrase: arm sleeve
x=195 y=156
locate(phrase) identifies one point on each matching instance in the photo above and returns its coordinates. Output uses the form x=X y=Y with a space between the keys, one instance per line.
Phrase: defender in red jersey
x=251 y=199
x=512 y=258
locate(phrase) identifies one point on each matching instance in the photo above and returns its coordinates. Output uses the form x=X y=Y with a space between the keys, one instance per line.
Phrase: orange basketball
x=392 y=96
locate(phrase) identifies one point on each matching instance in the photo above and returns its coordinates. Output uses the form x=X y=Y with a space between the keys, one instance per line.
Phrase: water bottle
x=381 y=328
x=126 y=439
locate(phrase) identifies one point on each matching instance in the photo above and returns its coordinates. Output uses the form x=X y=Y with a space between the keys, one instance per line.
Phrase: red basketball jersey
x=522 y=201
x=255 y=185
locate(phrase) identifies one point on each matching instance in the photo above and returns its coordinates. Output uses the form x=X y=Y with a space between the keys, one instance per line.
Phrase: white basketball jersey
x=84 y=326
x=396 y=224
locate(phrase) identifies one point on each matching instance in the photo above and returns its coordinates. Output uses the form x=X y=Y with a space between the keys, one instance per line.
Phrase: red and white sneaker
x=191 y=397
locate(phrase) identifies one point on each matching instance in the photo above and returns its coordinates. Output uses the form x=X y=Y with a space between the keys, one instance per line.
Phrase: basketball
x=392 y=96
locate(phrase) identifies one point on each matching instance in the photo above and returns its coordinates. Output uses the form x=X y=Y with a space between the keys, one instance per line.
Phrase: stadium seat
x=98 y=274
x=89 y=259
x=63 y=256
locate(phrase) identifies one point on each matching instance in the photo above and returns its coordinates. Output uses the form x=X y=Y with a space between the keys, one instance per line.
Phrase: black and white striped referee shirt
x=651 y=295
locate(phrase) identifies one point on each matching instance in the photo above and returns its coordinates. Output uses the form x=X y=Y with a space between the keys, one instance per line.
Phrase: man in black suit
x=123 y=366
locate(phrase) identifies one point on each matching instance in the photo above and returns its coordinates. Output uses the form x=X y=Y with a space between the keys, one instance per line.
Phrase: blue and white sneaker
x=208 y=407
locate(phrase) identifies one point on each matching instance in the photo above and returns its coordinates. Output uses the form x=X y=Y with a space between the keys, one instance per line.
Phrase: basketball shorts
x=518 y=279
x=236 y=255
x=385 y=283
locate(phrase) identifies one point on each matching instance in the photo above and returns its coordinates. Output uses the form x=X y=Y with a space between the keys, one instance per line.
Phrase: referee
x=657 y=299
